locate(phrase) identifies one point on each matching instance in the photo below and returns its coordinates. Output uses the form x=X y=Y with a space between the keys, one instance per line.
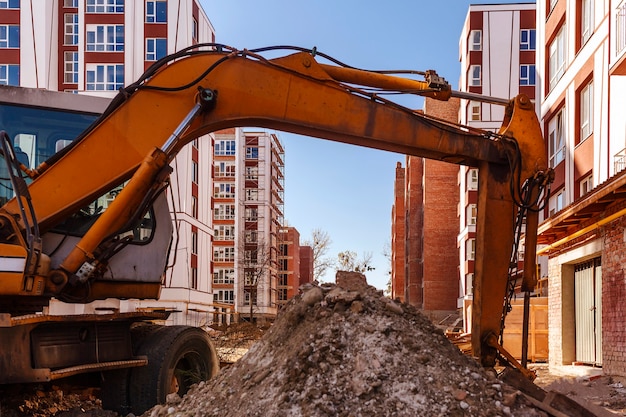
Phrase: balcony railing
x=620 y=29
x=620 y=160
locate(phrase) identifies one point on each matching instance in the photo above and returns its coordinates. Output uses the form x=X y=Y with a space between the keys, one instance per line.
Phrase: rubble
x=346 y=350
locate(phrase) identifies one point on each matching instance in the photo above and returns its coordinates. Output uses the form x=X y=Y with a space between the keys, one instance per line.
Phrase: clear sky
x=346 y=190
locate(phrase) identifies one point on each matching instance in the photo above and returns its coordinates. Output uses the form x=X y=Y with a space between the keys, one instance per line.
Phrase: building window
x=556 y=202
x=249 y=298
x=194 y=29
x=10 y=4
x=105 y=6
x=224 y=254
x=252 y=173
x=70 y=68
x=586 y=184
x=70 y=3
x=224 y=190
x=620 y=28
x=526 y=74
x=156 y=11
x=586 y=20
x=553 y=4
x=105 y=38
x=224 y=276
x=194 y=242
x=474 y=76
x=224 y=212
x=528 y=40
x=105 y=77
x=194 y=278
x=224 y=147
x=224 y=169
x=252 y=195
x=71 y=29
x=252 y=214
x=472 y=179
x=9 y=75
x=471 y=214
x=252 y=152
x=9 y=36
x=224 y=232
x=475 y=111
x=470 y=249
x=469 y=284
x=586 y=111
x=224 y=296
x=556 y=139
x=156 y=48
x=251 y=236
x=557 y=57
x=476 y=40
x=194 y=172
x=194 y=207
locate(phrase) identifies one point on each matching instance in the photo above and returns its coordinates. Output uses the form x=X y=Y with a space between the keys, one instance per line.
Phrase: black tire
x=178 y=357
x=114 y=391
x=114 y=386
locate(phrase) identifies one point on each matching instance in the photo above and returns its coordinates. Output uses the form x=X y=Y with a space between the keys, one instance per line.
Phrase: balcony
x=619 y=68
x=620 y=160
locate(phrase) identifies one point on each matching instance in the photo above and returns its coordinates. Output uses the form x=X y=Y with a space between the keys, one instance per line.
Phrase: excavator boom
x=197 y=92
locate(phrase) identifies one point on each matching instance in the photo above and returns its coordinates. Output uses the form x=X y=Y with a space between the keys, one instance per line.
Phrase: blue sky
x=346 y=190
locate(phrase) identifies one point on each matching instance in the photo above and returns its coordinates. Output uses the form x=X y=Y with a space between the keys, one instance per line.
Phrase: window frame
x=70 y=29
x=10 y=39
x=10 y=4
x=475 y=113
x=530 y=78
x=530 y=43
x=225 y=147
x=473 y=43
x=156 y=14
x=475 y=80
x=73 y=71
x=586 y=20
x=107 y=84
x=556 y=142
x=11 y=71
x=585 y=185
x=106 y=38
x=557 y=56
x=104 y=6
x=586 y=111
x=158 y=45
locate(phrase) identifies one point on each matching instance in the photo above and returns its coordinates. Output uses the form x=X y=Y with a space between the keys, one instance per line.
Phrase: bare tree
x=320 y=243
x=387 y=253
x=255 y=261
x=349 y=261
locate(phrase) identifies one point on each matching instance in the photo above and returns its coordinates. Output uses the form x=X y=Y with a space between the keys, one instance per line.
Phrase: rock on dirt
x=346 y=350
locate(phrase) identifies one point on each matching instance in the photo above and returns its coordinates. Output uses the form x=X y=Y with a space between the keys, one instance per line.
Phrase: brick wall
x=398 y=237
x=614 y=298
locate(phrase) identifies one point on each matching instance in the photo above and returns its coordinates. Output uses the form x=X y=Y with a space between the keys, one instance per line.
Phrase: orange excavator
x=54 y=242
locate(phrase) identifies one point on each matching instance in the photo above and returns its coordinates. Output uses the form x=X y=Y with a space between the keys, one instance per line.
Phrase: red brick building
x=425 y=228
x=295 y=264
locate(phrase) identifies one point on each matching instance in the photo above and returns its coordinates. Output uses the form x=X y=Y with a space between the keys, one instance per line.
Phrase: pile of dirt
x=346 y=350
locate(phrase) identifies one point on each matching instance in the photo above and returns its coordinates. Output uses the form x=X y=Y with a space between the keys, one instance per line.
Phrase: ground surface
x=339 y=351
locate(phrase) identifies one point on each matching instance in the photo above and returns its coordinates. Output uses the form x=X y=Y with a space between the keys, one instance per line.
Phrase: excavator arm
x=195 y=92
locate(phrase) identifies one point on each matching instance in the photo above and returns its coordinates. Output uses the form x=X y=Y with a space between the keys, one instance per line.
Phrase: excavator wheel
x=178 y=357
x=114 y=389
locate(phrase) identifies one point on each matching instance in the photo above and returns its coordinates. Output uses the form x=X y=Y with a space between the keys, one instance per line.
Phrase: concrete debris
x=346 y=350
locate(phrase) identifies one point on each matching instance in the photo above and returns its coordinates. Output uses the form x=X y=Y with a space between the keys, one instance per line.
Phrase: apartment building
x=424 y=268
x=295 y=264
x=94 y=46
x=497 y=52
x=248 y=220
x=583 y=96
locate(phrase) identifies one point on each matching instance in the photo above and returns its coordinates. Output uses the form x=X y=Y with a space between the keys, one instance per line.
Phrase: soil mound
x=346 y=350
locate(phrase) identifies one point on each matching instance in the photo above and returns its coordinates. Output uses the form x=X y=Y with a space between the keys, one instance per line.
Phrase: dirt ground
x=340 y=350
